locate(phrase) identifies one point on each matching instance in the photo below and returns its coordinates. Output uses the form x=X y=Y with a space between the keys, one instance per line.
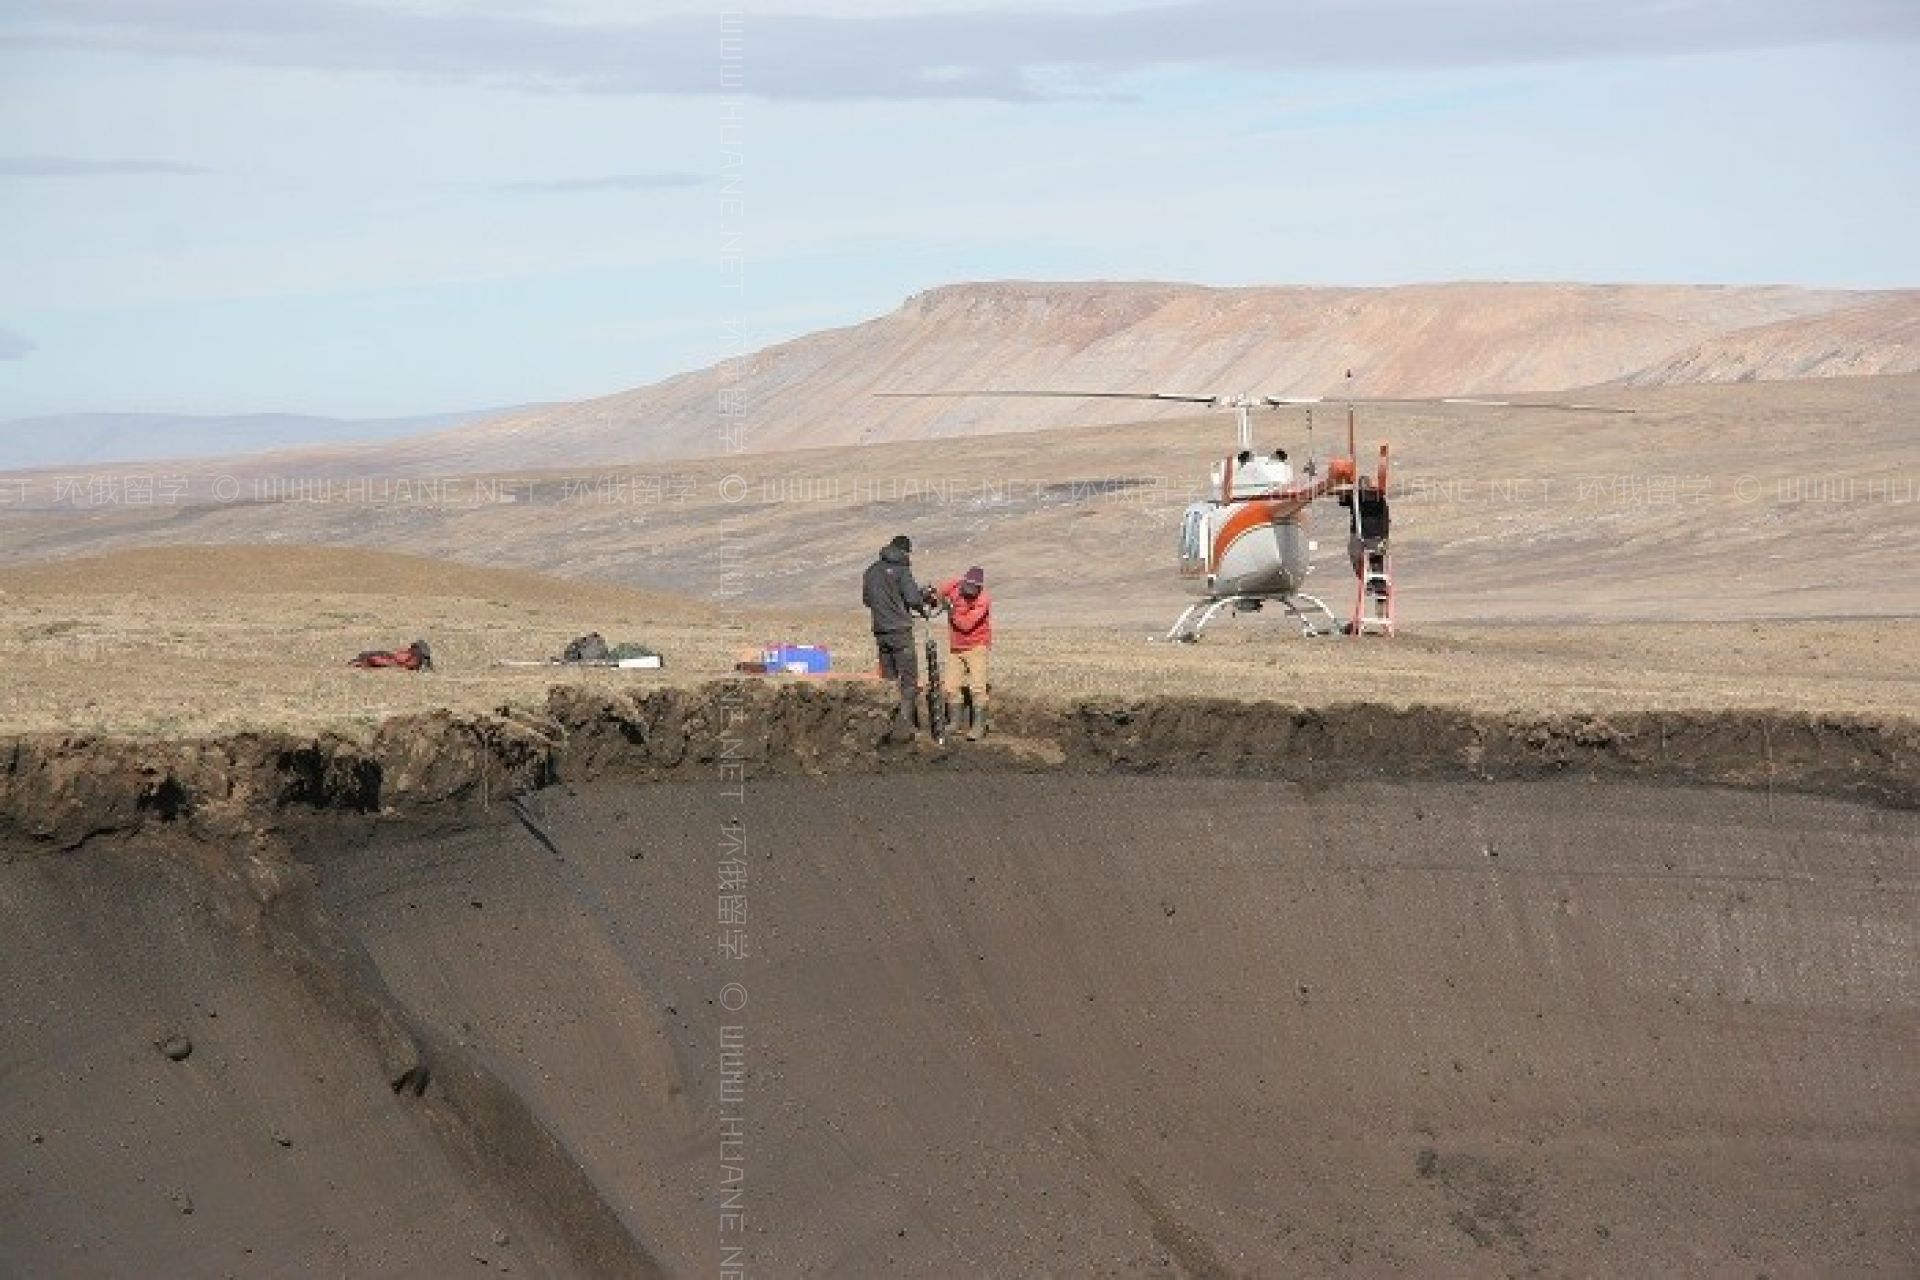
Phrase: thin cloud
x=613 y=182
x=1013 y=54
x=76 y=167
x=13 y=346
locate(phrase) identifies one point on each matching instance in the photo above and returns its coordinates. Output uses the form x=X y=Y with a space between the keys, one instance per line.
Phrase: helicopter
x=1246 y=544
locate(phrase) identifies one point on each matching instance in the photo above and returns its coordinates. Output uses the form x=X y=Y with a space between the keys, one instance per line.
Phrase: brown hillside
x=1412 y=340
x=1882 y=337
x=203 y=572
x=819 y=390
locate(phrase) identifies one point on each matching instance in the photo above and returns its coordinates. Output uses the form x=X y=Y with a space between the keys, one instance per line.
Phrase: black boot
x=905 y=720
x=977 y=729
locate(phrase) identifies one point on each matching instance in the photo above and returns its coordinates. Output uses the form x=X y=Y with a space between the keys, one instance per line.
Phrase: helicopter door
x=1194 y=541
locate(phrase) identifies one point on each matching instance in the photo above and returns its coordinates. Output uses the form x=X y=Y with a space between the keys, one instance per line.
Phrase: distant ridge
x=818 y=390
x=89 y=439
x=1408 y=340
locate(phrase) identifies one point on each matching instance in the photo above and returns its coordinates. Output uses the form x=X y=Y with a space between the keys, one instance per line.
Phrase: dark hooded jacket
x=890 y=593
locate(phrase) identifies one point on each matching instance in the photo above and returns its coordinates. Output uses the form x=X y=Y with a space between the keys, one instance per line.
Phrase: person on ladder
x=1367 y=544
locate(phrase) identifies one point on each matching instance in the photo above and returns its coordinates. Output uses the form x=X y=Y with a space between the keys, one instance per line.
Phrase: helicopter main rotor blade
x=1416 y=402
x=1068 y=395
x=1273 y=402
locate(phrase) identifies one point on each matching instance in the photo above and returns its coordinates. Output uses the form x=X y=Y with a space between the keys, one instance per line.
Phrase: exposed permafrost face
x=57 y=791
x=983 y=1022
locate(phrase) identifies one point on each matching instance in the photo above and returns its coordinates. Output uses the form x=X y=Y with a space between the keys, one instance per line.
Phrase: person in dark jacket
x=895 y=599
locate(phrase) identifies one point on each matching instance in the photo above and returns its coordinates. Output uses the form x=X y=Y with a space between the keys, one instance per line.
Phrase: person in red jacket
x=970 y=641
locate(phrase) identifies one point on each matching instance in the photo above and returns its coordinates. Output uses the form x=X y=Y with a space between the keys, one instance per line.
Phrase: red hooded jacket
x=969 y=622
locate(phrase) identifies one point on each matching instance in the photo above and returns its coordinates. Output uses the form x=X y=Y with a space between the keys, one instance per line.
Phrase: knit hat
x=901 y=542
x=975 y=579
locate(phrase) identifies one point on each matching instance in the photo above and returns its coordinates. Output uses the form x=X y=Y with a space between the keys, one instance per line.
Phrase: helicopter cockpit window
x=1193 y=533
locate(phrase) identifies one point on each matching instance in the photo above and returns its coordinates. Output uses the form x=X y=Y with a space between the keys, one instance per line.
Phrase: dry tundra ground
x=197 y=639
x=1744 y=545
x=1783 y=500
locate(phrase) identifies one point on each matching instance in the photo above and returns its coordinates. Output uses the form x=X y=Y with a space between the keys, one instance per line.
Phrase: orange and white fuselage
x=1249 y=536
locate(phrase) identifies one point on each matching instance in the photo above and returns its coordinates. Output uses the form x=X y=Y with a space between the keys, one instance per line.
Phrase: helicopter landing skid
x=1187 y=628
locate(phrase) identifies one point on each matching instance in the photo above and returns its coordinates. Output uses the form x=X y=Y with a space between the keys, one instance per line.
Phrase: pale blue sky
x=379 y=209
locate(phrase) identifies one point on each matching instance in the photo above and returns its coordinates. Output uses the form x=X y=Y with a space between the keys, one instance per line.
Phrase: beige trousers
x=967 y=669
